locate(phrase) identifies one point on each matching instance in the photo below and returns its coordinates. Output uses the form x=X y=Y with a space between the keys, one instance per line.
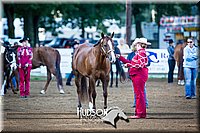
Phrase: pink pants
x=24 y=74
x=138 y=81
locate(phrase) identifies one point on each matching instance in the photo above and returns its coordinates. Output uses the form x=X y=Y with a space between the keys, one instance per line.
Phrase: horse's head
x=10 y=56
x=107 y=47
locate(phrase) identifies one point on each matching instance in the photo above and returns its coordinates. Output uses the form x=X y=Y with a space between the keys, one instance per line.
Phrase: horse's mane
x=97 y=43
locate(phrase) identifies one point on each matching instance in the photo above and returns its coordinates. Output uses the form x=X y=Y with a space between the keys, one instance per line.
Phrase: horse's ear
x=112 y=35
x=102 y=35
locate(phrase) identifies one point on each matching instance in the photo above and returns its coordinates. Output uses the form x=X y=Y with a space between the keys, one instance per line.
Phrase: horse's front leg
x=16 y=73
x=11 y=83
x=105 y=82
x=92 y=93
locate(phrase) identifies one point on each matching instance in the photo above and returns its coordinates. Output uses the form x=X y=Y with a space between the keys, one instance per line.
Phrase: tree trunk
x=35 y=26
x=82 y=27
x=9 y=11
x=28 y=27
x=128 y=22
x=138 y=27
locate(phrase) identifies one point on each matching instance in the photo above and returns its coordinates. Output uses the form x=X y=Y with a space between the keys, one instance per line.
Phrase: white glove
x=26 y=65
x=117 y=55
x=126 y=65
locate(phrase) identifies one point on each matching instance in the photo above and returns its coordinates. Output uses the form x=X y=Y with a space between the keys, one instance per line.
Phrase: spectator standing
x=122 y=46
x=75 y=45
x=25 y=56
x=190 y=65
x=171 y=61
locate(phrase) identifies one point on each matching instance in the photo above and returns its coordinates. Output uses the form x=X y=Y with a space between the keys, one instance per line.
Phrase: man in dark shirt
x=75 y=45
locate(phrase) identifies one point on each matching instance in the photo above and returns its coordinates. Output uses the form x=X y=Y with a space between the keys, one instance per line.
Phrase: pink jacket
x=137 y=64
x=25 y=56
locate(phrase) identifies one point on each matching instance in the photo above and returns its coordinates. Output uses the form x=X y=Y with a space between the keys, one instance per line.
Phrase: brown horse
x=178 y=55
x=49 y=57
x=93 y=63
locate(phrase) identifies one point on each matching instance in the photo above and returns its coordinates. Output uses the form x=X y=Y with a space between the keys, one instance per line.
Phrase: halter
x=107 y=53
x=11 y=63
x=104 y=51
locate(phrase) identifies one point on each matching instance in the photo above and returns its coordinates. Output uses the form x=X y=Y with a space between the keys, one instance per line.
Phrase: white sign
x=159 y=61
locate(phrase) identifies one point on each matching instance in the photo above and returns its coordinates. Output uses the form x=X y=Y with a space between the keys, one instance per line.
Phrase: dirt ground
x=53 y=112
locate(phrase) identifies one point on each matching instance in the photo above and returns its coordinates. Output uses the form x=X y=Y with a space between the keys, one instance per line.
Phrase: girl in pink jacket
x=25 y=56
x=139 y=74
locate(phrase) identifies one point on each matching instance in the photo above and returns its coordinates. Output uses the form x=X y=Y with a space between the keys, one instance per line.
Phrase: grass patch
x=38 y=78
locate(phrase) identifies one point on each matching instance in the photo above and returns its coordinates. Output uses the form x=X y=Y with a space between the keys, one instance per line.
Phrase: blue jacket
x=190 y=56
x=170 y=50
x=130 y=56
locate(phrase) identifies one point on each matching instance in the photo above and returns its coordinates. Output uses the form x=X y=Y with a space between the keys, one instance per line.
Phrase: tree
x=81 y=15
x=137 y=11
x=91 y=14
x=32 y=14
x=9 y=12
x=128 y=22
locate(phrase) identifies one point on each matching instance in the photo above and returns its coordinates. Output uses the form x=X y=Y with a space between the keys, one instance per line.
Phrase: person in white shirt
x=122 y=46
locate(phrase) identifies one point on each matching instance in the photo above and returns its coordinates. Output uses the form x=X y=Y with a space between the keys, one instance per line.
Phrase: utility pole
x=128 y=22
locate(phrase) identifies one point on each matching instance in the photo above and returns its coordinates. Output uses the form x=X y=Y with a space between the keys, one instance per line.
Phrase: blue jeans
x=171 y=64
x=190 y=81
x=14 y=82
x=134 y=101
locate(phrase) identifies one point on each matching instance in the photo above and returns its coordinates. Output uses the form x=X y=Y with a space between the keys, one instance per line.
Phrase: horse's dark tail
x=58 y=73
x=121 y=71
x=84 y=91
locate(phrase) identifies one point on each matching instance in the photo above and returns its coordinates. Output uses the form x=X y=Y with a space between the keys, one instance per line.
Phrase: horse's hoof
x=62 y=92
x=42 y=92
x=15 y=92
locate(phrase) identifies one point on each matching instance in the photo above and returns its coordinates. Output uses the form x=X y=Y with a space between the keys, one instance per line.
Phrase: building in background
x=178 y=28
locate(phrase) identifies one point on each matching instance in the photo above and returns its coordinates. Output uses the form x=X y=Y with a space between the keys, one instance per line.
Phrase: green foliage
x=92 y=14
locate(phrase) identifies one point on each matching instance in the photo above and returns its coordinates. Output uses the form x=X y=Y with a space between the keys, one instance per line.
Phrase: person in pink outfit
x=25 y=56
x=139 y=74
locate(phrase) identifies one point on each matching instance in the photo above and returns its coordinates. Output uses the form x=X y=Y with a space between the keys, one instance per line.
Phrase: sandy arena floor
x=168 y=109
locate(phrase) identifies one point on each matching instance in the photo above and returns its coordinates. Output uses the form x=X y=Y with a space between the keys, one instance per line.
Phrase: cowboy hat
x=24 y=39
x=141 y=40
x=144 y=40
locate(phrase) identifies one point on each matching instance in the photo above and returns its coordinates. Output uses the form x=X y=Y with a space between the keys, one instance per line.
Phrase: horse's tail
x=84 y=91
x=58 y=73
x=121 y=71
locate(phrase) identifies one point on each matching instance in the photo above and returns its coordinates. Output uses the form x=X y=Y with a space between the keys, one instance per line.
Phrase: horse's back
x=44 y=56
